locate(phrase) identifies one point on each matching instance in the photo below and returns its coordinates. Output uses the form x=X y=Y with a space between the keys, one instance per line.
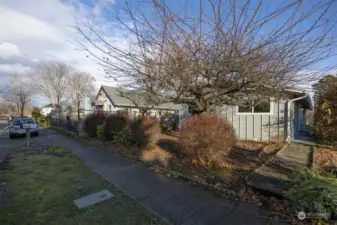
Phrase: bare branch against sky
x=51 y=78
x=80 y=85
x=18 y=95
x=206 y=55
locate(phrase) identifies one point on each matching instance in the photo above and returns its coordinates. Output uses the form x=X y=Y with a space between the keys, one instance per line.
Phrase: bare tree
x=51 y=78
x=18 y=95
x=228 y=49
x=80 y=85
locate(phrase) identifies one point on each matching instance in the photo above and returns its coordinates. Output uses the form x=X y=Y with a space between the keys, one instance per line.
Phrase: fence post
x=27 y=137
x=78 y=121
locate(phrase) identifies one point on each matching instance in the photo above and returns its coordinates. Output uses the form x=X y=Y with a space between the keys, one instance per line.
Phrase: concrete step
x=275 y=175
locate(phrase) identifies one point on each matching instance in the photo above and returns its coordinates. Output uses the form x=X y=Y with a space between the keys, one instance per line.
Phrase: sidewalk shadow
x=171 y=145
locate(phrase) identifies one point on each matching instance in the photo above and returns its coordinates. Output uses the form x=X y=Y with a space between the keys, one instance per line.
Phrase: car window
x=23 y=121
x=27 y=121
x=16 y=122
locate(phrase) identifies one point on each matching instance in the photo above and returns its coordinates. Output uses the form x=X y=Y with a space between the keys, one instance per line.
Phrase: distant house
x=45 y=110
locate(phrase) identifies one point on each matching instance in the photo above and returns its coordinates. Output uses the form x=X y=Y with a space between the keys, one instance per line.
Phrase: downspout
x=289 y=138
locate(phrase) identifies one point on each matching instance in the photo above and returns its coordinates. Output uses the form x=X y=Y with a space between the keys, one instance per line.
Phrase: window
x=245 y=109
x=109 y=108
x=261 y=107
x=18 y=122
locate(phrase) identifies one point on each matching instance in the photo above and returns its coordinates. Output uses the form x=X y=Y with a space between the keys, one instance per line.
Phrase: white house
x=45 y=110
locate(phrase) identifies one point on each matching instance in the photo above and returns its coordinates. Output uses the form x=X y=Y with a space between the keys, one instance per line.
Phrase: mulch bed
x=325 y=157
x=232 y=174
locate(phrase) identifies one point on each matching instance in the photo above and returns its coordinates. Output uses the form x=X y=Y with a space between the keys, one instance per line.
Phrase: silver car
x=19 y=126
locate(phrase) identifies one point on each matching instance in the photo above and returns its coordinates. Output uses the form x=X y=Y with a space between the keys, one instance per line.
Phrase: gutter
x=289 y=138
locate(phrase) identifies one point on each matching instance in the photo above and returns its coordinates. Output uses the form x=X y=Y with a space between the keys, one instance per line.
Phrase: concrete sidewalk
x=173 y=199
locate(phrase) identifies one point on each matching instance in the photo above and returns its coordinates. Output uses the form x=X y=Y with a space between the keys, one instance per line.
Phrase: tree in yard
x=18 y=95
x=51 y=78
x=36 y=113
x=326 y=109
x=217 y=52
x=80 y=85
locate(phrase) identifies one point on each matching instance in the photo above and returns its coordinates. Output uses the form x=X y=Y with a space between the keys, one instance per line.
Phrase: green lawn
x=41 y=188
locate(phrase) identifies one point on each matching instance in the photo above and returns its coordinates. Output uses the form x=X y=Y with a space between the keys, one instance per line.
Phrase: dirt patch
x=325 y=157
x=249 y=155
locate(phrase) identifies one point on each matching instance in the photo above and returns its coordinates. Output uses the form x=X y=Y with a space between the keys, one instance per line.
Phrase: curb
x=282 y=149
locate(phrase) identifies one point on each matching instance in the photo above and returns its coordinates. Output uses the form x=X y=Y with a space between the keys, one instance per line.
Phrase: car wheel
x=36 y=134
x=11 y=136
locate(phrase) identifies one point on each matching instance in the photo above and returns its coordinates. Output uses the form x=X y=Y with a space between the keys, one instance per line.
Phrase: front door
x=302 y=120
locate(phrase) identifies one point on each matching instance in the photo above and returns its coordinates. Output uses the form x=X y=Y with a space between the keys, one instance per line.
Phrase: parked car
x=19 y=125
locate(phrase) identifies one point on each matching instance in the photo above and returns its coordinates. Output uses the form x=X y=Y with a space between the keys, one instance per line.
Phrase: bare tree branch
x=80 y=85
x=229 y=48
x=18 y=95
x=51 y=78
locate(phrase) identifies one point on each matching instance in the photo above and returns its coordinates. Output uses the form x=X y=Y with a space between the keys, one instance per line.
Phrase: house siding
x=45 y=111
x=106 y=102
x=259 y=127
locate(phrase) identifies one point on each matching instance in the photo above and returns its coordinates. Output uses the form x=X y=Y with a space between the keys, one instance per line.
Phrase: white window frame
x=271 y=108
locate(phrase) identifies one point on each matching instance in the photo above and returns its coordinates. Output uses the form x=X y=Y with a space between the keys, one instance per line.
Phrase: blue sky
x=35 y=30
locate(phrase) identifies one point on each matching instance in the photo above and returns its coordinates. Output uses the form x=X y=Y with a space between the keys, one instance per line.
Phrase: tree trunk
x=22 y=109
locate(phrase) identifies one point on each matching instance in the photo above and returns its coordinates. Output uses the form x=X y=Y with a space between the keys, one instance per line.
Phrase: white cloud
x=16 y=68
x=38 y=30
x=19 y=26
x=101 y=5
x=7 y=50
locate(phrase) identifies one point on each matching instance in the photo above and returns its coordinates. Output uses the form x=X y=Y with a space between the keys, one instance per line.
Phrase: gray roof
x=48 y=106
x=130 y=98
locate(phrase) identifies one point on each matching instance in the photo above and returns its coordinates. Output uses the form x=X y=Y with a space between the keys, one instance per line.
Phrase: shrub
x=206 y=138
x=122 y=136
x=91 y=123
x=36 y=114
x=326 y=109
x=145 y=131
x=314 y=192
x=165 y=129
x=114 y=124
x=46 y=121
x=100 y=131
x=168 y=122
